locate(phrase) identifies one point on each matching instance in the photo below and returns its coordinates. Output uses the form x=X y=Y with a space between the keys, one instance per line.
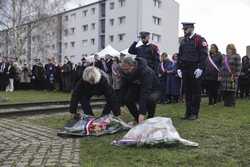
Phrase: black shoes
x=191 y=117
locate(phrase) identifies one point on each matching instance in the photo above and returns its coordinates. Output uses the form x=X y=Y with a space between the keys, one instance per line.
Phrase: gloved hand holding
x=179 y=73
x=198 y=72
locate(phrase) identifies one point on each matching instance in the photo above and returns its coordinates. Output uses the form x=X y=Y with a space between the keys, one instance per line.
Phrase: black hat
x=144 y=34
x=83 y=59
x=188 y=24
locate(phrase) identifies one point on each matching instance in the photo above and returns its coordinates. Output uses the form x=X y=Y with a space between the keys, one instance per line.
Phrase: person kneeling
x=139 y=87
x=93 y=83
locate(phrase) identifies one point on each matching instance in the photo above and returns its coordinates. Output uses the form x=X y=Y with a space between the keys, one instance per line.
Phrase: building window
x=103 y=10
x=85 y=27
x=84 y=13
x=65 y=45
x=66 y=18
x=33 y=38
x=93 y=11
x=112 y=21
x=111 y=38
x=122 y=3
x=93 y=26
x=121 y=37
x=84 y=42
x=156 y=38
x=66 y=32
x=122 y=20
x=157 y=3
x=112 y=5
x=73 y=16
x=53 y=46
x=73 y=30
x=72 y=44
x=93 y=41
x=157 y=20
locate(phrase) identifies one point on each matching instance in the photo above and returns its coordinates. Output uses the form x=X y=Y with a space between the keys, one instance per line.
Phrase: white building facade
x=88 y=29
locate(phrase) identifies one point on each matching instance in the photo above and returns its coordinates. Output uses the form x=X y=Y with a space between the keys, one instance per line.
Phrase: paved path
x=26 y=145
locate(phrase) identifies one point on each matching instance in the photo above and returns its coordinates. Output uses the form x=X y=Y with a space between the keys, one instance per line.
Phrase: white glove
x=139 y=43
x=198 y=72
x=179 y=73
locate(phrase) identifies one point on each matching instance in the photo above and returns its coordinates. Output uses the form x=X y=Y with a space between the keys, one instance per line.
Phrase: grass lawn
x=223 y=135
x=32 y=96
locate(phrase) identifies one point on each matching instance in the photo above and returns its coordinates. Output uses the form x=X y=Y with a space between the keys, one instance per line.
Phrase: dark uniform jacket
x=147 y=81
x=193 y=53
x=84 y=89
x=149 y=52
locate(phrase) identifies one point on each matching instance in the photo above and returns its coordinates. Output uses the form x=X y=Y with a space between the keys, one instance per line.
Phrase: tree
x=20 y=17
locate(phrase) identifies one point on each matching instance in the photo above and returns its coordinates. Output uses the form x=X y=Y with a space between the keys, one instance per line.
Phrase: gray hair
x=91 y=75
x=130 y=60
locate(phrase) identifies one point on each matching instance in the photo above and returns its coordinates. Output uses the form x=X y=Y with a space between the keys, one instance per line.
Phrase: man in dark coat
x=98 y=62
x=80 y=68
x=93 y=83
x=3 y=74
x=140 y=86
x=67 y=70
x=193 y=53
x=38 y=75
x=50 y=74
x=146 y=50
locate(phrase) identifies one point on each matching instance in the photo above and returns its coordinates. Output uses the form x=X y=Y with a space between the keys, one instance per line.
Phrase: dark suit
x=142 y=88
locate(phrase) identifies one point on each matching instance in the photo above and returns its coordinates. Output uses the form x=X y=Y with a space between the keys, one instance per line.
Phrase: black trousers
x=192 y=91
x=132 y=98
x=229 y=98
x=212 y=90
x=87 y=109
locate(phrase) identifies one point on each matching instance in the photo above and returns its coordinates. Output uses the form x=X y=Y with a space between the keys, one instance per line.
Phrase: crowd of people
x=143 y=80
x=50 y=76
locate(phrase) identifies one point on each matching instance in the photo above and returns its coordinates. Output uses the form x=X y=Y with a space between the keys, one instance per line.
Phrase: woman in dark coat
x=229 y=75
x=244 y=79
x=173 y=81
x=212 y=69
x=164 y=63
x=50 y=74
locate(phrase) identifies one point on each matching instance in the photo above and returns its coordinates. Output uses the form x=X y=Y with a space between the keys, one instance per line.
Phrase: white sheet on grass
x=154 y=131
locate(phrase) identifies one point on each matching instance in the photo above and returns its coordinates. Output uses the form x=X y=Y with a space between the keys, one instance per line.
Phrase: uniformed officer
x=146 y=50
x=193 y=53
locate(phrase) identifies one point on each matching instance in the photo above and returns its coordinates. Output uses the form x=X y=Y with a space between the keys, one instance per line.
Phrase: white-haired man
x=93 y=83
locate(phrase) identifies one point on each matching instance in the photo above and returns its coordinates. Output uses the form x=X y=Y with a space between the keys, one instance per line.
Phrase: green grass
x=223 y=135
x=32 y=96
